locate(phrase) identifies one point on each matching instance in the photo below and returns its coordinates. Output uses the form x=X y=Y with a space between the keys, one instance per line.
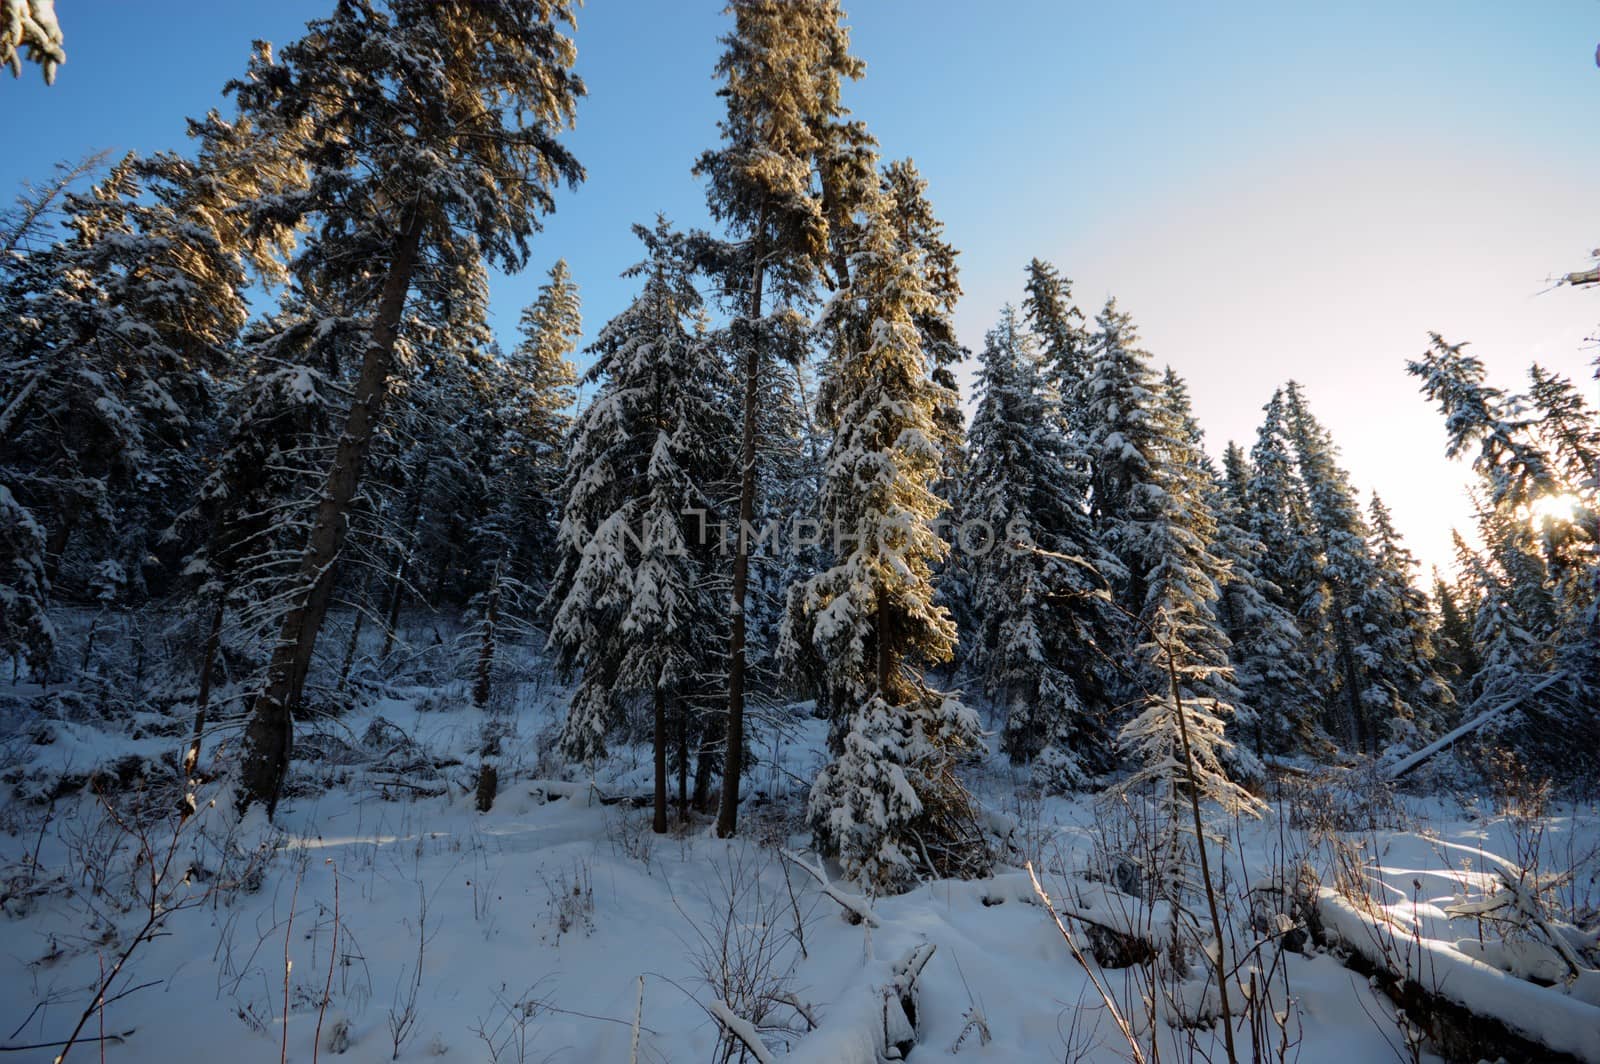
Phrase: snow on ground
x=527 y=933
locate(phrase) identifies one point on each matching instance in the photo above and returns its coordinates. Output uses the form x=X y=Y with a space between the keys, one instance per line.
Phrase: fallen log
x=1400 y=768
x=585 y=793
x=1468 y=1009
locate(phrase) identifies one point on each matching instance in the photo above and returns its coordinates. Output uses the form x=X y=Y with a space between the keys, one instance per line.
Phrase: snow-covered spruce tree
x=107 y=374
x=1570 y=534
x=1340 y=602
x=1270 y=668
x=26 y=632
x=1278 y=517
x=638 y=596
x=29 y=30
x=1538 y=577
x=1042 y=622
x=889 y=803
x=536 y=412
x=1401 y=638
x=1122 y=437
x=1063 y=339
x=920 y=228
x=1177 y=741
x=1188 y=474
x=428 y=135
x=1455 y=604
x=514 y=545
x=782 y=67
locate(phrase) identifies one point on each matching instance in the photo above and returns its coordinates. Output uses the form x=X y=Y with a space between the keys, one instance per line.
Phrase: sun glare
x=1558 y=508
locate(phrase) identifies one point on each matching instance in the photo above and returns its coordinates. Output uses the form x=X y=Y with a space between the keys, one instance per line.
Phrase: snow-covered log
x=1400 y=768
x=584 y=793
x=1469 y=1008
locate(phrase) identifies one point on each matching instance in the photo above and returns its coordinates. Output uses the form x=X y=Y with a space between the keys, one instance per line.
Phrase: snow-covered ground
x=559 y=928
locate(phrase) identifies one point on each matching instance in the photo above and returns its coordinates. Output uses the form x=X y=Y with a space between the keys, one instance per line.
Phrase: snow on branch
x=857 y=909
x=743 y=1030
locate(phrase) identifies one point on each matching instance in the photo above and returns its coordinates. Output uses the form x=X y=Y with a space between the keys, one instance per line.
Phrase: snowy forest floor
x=553 y=926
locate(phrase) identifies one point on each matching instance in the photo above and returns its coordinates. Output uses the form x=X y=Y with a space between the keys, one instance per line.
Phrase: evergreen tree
x=782 y=68
x=26 y=631
x=1063 y=338
x=427 y=134
x=1401 y=641
x=922 y=231
x=637 y=598
x=1042 y=625
x=1122 y=438
x=539 y=381
x=888 y=802
x=109 y=370
x=1458 y=655
x=1270 y=668
x=1340 y=601
x=514 y=544
x=1177 y=741
x=1538 y=578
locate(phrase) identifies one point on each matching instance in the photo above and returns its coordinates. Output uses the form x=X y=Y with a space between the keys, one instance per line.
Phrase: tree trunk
x=355 y=637
x=208 y=659
x=705 y=764
x=1344 y=646
x=270 y=733
x=481 y=690
x=728 y=813
x=56 y=546
x=683 y=762
x=660 y=742
x=886 y=650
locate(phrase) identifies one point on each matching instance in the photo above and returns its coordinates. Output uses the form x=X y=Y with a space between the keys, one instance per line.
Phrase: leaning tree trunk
x=208 y=659
x=733 y=766
x=270 y=733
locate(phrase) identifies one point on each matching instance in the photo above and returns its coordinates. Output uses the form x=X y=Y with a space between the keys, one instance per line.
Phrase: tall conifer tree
x=889 y=801
x=782 y=67
x=428 y=136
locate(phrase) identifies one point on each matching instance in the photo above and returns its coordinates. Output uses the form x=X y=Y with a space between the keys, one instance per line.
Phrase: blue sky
x=1273 y=190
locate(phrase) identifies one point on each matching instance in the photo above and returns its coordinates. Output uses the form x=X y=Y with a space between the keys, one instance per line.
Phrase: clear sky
x=1273 y=190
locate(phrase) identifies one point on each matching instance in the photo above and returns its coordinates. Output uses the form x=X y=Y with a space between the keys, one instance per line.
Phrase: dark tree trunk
x=482 y=689
x=355 y=637
x=660 y=743
x=728 y=812
x=270 y=733
x=1344 y=647
x=208 y=658
x=391 y=612
x=683 y=762
x=705 y=764
x=886 y=649
x=56 y=546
